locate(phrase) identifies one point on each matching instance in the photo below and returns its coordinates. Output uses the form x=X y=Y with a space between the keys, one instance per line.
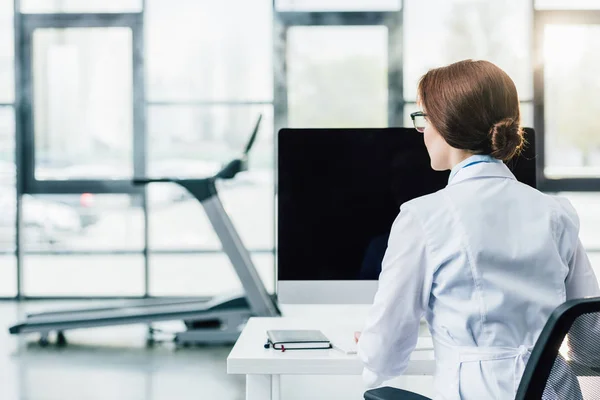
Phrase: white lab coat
x=485 y=261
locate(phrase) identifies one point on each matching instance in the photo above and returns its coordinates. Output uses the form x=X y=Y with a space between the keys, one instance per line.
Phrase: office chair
x=564 y=364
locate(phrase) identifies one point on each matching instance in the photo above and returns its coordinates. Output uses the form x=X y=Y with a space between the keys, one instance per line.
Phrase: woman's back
x=504 y=246
x=501 y=253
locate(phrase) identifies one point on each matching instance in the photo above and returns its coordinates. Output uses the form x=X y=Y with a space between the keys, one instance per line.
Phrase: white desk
x=264 y=367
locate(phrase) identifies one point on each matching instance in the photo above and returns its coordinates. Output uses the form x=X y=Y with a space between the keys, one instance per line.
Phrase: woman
x=484 y=260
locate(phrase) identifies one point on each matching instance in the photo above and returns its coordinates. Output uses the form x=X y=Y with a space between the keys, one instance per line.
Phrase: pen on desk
x=268 y=344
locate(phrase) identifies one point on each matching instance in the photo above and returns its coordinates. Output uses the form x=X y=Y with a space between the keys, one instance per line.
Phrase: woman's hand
x=356 y=337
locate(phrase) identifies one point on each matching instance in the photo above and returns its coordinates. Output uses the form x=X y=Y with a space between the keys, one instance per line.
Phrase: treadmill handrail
x=228 y=171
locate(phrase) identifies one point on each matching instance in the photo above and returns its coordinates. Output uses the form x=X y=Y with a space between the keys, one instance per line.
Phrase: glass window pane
x=83 y=275
x=202 y=274
x=56 y=222
x=337 y=76
x=567 y=4
x=250 y=203
x=83 y=103
x=7 y=83
x=73 y=6
x=8 y=205
x=57 y=225
x=338 y=5
x=189 y=141
x=8 y=274
x=178 y=221
x=8 y=218
x=223 y=50
x=571 y=100
x=527 y=115
x=498 y=31
x=212 y=134
x=588 y=208
x=7 y=147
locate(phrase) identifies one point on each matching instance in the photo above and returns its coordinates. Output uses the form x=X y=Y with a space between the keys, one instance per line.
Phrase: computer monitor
x=339 y=191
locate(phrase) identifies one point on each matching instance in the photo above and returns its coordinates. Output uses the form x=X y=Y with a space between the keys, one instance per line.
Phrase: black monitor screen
x=339 y=191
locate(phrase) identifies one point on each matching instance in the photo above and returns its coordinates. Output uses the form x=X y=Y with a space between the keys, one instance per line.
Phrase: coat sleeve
x=392 y=326
x=581 y=280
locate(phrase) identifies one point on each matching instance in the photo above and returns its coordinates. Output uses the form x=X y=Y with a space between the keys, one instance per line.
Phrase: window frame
x=25 y=129
x=541 y=19
x=26 y=183
x=284 y=20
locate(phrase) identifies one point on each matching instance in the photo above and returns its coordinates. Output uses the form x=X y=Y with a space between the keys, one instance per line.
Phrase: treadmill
x=219 y=320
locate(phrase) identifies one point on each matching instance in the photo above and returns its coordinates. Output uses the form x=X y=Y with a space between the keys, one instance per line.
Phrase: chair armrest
x=390 y=393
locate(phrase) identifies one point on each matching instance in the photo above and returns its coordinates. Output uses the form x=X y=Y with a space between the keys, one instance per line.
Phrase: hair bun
x=507 y=139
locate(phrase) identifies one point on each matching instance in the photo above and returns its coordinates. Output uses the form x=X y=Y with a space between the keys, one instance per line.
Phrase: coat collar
x=479 y=166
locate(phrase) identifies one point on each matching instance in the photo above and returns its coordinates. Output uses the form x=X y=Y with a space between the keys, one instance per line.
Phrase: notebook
x=298 y=339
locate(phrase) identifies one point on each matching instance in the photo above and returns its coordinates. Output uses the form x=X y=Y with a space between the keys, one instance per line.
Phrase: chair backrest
x=565 y=362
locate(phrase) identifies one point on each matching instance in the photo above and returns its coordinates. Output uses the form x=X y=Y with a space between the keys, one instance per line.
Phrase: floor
x=108 y=363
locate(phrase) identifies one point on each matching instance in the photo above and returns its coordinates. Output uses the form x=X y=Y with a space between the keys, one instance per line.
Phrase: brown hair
x=475 y=107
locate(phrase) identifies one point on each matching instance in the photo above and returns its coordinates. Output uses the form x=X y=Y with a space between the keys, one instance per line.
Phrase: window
x=587 y=206
x=83 y=275
x=337 y=76
x=209 y=77
x=8 y=208
x=193 y=141
x=82 y=79
x=7 y=84
x=205 y=137
x=61 y=230
x=86 y=222
x=338 y=5
x=440 y=32
x=209 y=50
x=8 y=275
x=571 y=101
x=202 y=274
x=80 y=6
x=567 y=4
x=7 y=147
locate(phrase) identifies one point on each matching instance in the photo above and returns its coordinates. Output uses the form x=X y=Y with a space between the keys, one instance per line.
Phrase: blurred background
x=96 y=92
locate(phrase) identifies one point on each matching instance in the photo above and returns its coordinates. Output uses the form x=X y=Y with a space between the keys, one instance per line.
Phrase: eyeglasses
x=419 y=120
